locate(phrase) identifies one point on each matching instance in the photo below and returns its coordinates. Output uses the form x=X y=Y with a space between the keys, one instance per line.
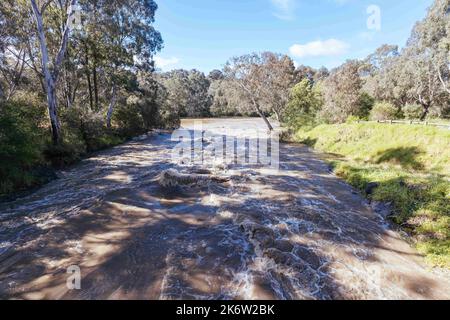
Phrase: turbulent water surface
x=256 y=233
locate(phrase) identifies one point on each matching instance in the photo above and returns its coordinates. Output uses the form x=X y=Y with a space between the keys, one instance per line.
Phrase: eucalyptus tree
x=420 y=72
x=117 y=36
x=265 y=80
x=215 y=75
x=51 y=66
x=321 y=74
x=228 y=99
x=434 y=35
x=305 y=72
x=16 y=43
x=177 y=84
x=278 y=76
x=199 y=98
x=188 y=92
x=384 y=75
x=426 y=58
x=246 y=72
x=342 y=92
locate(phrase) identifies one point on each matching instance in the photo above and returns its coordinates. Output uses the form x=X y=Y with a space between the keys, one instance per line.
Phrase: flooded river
x=244 y=232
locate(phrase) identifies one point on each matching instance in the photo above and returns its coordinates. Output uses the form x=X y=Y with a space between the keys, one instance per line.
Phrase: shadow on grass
x=406 y=157
x=421 y=205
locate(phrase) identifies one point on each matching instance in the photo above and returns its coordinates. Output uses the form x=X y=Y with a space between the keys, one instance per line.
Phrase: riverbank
x=405 y=166
x=45 y=169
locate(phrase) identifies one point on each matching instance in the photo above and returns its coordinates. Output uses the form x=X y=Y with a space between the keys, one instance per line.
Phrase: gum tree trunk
x=256 y=105
x=263 y=116
x=112 y=104
x=51 y=76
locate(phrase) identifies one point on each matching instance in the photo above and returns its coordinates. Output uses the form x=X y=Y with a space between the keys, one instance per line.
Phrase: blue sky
x=204 y=34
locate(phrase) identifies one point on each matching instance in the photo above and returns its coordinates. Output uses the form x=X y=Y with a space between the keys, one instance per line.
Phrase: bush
x=352 y=119
x=437 y=112
x=384 y=111
x=88 y=127
x=129 y=120
x=95 y=133
x=303 y=104
x=366 y=103
x=169 y=119
x=21 y=143
x=412 y=111
x=150 y=113
x=62 y=155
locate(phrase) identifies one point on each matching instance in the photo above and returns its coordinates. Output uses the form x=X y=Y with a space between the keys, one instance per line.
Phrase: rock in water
x=370 y=188
x=172 y=178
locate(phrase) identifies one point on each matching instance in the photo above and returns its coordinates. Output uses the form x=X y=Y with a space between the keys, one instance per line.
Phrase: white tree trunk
x=111 y=107
x=445 y=85
x=51 y=76
x=263 y=116
x=256 y=105
x=277 y=114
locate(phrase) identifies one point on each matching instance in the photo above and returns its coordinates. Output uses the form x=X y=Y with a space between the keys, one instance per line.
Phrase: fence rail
x=422 y=123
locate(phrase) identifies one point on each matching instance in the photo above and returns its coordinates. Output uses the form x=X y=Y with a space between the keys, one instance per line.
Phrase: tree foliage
x=342 y=92
x=304 y=103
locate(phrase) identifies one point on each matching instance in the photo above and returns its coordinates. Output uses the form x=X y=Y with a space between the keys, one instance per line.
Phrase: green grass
x=411 y=166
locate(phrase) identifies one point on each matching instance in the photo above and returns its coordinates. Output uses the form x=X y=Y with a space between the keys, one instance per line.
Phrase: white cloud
x=166 y=63
x=330 y=47
x=284 y=9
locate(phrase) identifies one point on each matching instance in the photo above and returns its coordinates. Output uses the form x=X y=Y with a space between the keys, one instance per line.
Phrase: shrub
x=302 y=106
x=68 y=152
x=437 y=112
x=352 y=119
x=412 y=111
x=384 y=111
x=21 y=143
x=169 y=119
x=95 y=133
x=129 y=120
x=62 y=155
x=88 y=127
x=366 y=103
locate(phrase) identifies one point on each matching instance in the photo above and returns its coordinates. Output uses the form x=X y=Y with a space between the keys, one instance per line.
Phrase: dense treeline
x=78 y=76
x=411 y=83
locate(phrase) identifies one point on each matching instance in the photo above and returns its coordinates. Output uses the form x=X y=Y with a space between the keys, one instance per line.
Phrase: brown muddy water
x=253 y=233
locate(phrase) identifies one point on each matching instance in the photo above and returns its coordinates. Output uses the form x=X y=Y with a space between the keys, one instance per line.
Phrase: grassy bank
x=408 y=166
